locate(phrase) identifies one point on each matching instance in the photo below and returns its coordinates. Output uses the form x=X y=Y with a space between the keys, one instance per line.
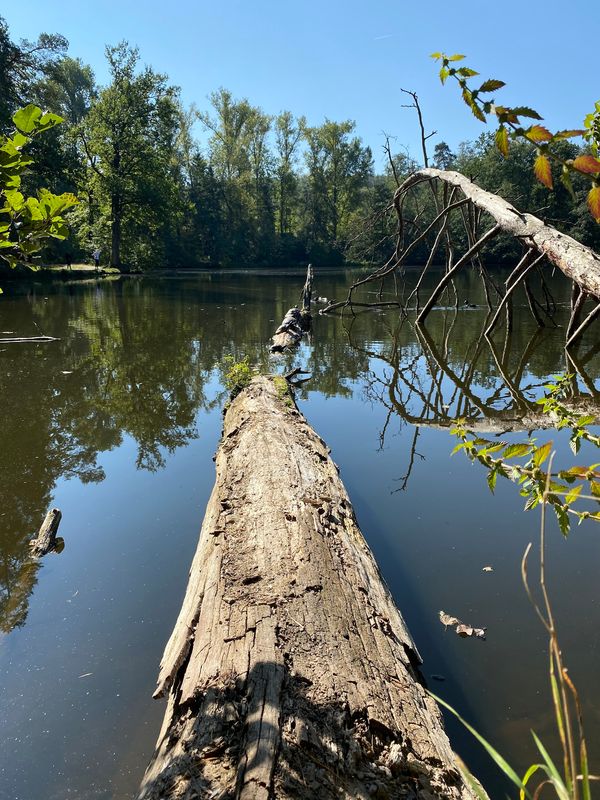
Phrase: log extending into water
x=290 y=672
x=45 y=541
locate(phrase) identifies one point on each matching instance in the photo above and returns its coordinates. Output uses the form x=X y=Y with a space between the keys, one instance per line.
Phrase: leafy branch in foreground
x=25 y=222
x=574 y=782
x=511 y=125
x=522 y=462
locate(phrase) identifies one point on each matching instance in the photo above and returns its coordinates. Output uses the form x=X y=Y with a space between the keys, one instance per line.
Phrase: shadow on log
x=290 y=671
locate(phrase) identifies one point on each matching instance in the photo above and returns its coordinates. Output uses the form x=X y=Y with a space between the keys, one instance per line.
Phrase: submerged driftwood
x=290 y=671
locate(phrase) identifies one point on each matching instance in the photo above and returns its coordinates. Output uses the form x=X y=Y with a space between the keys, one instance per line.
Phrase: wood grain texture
x=290 y=672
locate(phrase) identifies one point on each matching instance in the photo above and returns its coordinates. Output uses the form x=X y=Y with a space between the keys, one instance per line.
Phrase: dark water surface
x=117 y=423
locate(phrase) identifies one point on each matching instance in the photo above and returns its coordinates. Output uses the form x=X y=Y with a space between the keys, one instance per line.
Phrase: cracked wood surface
x=290 y=672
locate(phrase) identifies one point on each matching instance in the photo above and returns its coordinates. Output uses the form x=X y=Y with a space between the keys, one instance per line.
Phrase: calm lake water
x=116 y=424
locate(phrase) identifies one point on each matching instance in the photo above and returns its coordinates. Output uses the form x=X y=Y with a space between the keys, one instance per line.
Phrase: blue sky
x=346 y=59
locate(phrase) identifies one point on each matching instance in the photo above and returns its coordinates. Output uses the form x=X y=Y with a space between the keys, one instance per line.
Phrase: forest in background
x=258 y=190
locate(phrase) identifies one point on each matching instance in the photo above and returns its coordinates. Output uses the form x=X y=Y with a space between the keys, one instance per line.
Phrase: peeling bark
x=290 y=672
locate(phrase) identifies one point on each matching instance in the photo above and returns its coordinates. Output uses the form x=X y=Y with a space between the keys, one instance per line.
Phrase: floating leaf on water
x=462 y=629
x=446 y=619
x=468 y=630
x=488 y=569
x=438 y=678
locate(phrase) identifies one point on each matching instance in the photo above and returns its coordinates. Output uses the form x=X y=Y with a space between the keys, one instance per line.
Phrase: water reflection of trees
x=135 y=360
x=120 y=369
x=429 y=377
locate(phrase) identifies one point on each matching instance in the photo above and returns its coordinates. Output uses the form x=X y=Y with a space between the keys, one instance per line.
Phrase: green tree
x=339 y=168
x=128 y=138
x=27 y=222
x=288 y=138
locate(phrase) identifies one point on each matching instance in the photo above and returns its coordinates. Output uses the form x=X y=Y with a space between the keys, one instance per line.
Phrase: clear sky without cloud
x=345 y=59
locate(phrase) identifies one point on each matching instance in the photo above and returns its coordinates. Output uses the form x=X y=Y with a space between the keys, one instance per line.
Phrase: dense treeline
x=260 y=190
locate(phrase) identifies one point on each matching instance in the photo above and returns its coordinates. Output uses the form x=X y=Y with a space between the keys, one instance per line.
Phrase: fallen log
x=291 y=330
x=296 y=321
x=290 y=671
x=46 y=540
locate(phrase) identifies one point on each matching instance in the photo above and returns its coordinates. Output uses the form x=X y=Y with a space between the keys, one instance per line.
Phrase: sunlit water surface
x=117 y=423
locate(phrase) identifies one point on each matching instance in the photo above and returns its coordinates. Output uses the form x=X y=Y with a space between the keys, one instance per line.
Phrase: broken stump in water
x=290 y=672
x=46 y=540
x=296 y=321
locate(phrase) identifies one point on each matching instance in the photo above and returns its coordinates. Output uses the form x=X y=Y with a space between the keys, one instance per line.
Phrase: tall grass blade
x=501 y=762
x=553 y=773
x=532 y=769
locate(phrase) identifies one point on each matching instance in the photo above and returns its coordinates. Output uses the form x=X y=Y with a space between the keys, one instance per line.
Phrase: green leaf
x=565 y=179
x=516 y=450
x=459 y=446
x=26 y=118
x=557 y=782
x=573 y=494
x=444 y=74
x=595 y=488
x=456 y=57
x=492 y=477
x=47 y=121
x=467 y=72
x=525 y=111
x=562 y=515
x=491 y=85
x=502 y=140
x=14 y=200
x=541 y=454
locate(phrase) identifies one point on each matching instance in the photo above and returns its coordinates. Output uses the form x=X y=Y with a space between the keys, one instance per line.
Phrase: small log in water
x=45 y=541
x=296 y=321
x=290 y=672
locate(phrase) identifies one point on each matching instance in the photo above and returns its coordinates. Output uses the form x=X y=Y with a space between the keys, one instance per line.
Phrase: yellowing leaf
x=537 y=133
x=593 y=201
x=502 y=140
x=543 y=171
x=542 y=453
x=587 y=164
x=569 y=134
x=456 y=57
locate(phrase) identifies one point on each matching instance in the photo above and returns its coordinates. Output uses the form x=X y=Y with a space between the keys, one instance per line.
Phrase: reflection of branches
x=413 y=453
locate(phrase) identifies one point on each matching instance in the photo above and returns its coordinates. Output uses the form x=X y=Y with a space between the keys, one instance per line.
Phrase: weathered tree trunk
x=45 y=541
x=290 y=672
